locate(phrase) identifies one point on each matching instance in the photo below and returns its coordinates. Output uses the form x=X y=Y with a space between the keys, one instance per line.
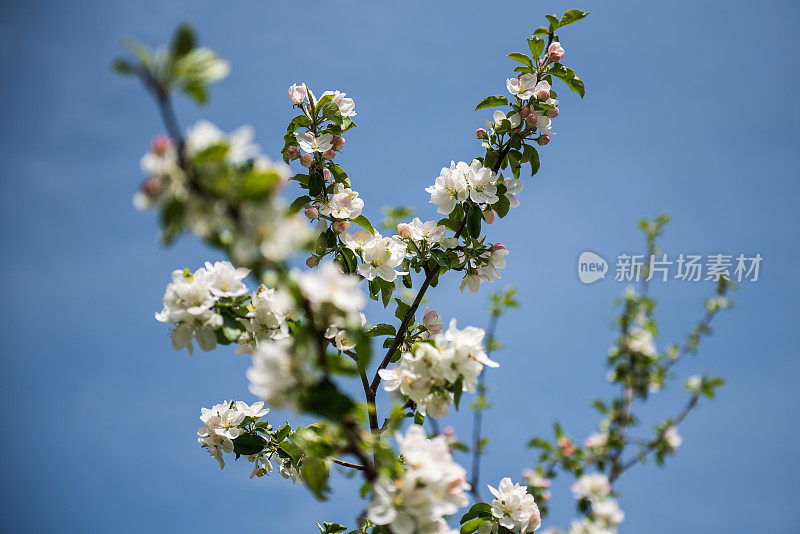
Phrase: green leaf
x=481 y=509
x=326 y=400
x=122 y=66
x=522 y=58
x=183 y=41
x=196 y=92
x=472 y=525
x=291 y=450
x=554 y=23
x=248 y=444
x=382 y=329
x=231 y=327
x=331 y=112
x=282 y=433
x=300 y=121
x=299 y=203
x=533 y=158
x=258 y=184
x=541 y=30
x=568 y=76
x=572 y=15
x=492 y=102
x=364 y=223
x=502 y=206
x=536 y=45
x=212 y=154
x=441 y=258
x=474 y=217
x=402 y=309
x=315 y=474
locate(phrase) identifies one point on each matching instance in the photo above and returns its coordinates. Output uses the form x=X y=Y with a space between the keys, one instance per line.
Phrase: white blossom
x=672 y=438
x=608 y=513
x=432 y=487
x=513 y=118
x=298 y=93
x=514 y=507
x=327 y=284
x=346 y=105
x=273 y=376
x=310 y=143
x=381 y=256
x=343 y=203
x=523 y=87
x=594 y=486
x=450 y=187
x=225 y=280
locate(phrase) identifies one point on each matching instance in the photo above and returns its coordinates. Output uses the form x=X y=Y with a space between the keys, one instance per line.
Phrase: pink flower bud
x=292 y=153
x=327 y=175
x=524 y=112
x=543 y=139
x=312 y=213
x=329 y=154
x=480 y=133
x=160 y=144
x=566 y=447
x=298 y=93
x=449 y=431
x=151 y=187
x=340 y=226
x=338 y=142
x=530 y=120
x=542 y=94
x=306 y=160
x=312 y=261
x=555 y=51
x=404 y=230
x=527 y=473
x=552 y=113
x=498 y=246
x=489 y=216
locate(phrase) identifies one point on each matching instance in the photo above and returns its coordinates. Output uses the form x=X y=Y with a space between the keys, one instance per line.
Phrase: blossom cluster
x=224 y=422
x=432 y=371
x=471 y=181
x=605 y=516
x=515 y=508
x=433 y=486
x=221 y=188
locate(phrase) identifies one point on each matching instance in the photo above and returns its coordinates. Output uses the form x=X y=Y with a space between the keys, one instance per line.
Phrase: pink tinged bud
x=555 y=51
x=480 y=133
x=449 y=430
x=292 y=153
x=312 y=261
x=151 y=187
x=340 y=226
x=524 y=112
x=327 y=175
x=432 y=321
x=329 y=154
x=160 y=144
x=527 y=473
x=530 y=120
x=489 y=216
x=552 y=113
x=498 y=246
x=306 y=160
x=543 y=139
x=338 y=142
x=404 y=230
x=312 y=213
x=542 y=94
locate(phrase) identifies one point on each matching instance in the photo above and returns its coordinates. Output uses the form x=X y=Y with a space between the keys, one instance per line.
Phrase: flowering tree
x=306 y=332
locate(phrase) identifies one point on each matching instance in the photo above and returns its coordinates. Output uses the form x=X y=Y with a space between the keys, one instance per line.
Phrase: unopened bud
x=480 y=133
x=524 y=112
x=312 y=261
x=555 y=51
x=312 y=213
x=338 y=142
x=340 y=226
x=403 y=230
x=151 y=187
x=489 y=216
x=552 y=113
x=160 y=144
x=530 y=120
x=329 y=154
x=306 y=160
x=292 y=153
x=543 y=139
x=327 y=175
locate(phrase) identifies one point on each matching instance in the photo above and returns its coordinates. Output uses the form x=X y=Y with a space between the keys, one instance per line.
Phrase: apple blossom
x=273 y=376
x=432 y=321
x=523 y=87
x=380 y=258
x=513 y=118
x=672 y=438
x=513 y=188
x=450 y=187
x=594 y=486
x=343 y=203
x=328 y=285
x=608 y=513
x=225 y=280
x=481 y=180
x=346 y=105
x=298 y=93
x=514 y=507
x=311 y=143
x=541 y=90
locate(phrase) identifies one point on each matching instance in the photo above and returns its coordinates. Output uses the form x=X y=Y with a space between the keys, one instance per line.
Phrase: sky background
x=690 y=108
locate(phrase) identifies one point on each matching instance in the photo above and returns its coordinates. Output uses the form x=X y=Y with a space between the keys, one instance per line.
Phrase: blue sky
x=691 y=108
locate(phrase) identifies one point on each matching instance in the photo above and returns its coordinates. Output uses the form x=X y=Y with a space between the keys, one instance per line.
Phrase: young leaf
x=537 y=46
x=522 y=58
x=364 y=223
x=299 y=203
x=474 y=217
x=183 y=41
x=492 y=102
x=572 y=15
